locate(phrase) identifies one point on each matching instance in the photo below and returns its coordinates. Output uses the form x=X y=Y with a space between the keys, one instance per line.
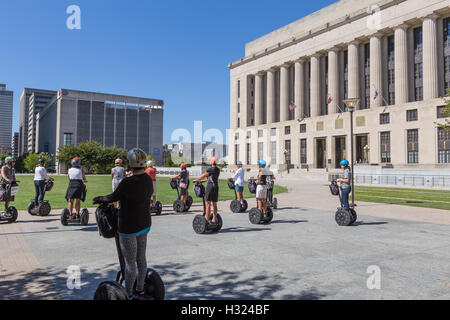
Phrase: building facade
x=197 y=153
x=73 y=116
x=32 y=101
x=286 y=94
x=15 y=145
x=6 y=113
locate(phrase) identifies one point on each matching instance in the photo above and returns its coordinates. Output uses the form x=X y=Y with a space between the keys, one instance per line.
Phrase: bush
x=31 y=160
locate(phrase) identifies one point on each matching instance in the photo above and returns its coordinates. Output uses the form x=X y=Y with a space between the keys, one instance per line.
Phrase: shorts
x=261 y=191
x=115 y=184
x=239 y=188
x=183 y=191
x=154 y=188
x=212 y=193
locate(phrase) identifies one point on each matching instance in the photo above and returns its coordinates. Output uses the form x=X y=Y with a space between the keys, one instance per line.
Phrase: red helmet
x=183 y=165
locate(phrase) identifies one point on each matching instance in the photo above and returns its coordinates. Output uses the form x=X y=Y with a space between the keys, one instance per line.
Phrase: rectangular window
x=303 y=128
x=67 y=139
x=239 y=107
x=239 y=88
x=236 y=153
x=236 y=136
x=319 y=126
x=287 y=151
x=273 y=152
x=385 y=141
x=249 y=153
x=239 y=122
x=413 y=146
x=303 y=158
x=447 y=53
x=260 y=150
x=339 y=124
x=418 y=64
x=366 y=71
x=260 y=133
x=443 y=146
x=440 y=112
x=273 y=132
x=384 y=118
x=249 y=134
x=287 y=130
x=391 y=70
x=411 y=115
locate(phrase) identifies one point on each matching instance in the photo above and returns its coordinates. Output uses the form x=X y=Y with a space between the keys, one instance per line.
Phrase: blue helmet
x=262 y=163
x=344 y=163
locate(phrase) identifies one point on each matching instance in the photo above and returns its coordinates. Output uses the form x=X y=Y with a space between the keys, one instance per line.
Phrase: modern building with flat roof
x=15 y=145
x=6 y=113
x=73 y=116
x=286 y=94
x=32 y=101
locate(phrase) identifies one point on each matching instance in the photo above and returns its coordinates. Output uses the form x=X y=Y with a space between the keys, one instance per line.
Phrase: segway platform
x=11 y=214
x=42 y=209
x=343 y=217
x=200 y=224
x=255 y=216
x=67 y=219
x=157 y=208
x=235 y=205
x=179 y=205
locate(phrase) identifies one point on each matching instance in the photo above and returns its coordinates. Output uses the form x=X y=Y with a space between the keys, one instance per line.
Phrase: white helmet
x=149 y=163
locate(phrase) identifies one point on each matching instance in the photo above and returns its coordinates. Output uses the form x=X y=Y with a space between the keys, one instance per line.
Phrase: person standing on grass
x=183 y=176
x=117 y=174
x=345 y=186
x=152 y=174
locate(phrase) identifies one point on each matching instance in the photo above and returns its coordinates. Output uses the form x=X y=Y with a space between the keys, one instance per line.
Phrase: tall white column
x=401 y=64
x=353 y=70
x=233 y=103
x=259 y=117
x=299 y=89
x=376 y=74
x=315 y=86
x=284 y=93
x=333 y=80
x=430 y=58
x=271 y=96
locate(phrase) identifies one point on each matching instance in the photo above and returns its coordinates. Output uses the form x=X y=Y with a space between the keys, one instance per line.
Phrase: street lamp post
x=351 y=105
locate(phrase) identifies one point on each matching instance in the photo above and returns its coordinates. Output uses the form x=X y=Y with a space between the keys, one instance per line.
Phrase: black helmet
x=41 y=160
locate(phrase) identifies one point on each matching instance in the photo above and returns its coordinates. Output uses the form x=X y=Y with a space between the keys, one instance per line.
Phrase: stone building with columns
x=286 y=94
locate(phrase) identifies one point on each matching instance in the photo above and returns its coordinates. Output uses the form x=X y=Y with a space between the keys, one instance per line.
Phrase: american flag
x=330 y=99
x=376 y=95
x=292 y=106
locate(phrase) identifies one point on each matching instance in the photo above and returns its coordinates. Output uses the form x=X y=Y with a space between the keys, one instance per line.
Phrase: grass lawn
x=101 y=185
x=437 y=199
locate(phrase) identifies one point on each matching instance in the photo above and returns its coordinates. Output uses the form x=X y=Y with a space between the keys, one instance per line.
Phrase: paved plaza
x=303 y=254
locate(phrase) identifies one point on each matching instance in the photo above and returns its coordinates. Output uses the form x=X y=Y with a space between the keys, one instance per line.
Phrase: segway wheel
x=245 y=206
x=44 y=209
x=269 y=216
x=199 y=224
x=14 y=214
x=158 y=208
x=354 y=216
x=219 y=223
x=65 y=217
x=84 y=217
x=275 y=203
x=343 y=217
x=189 y=202
x=154 y=286
x=178 y=206
x=255 y=216
x=30 y=208
x=235 y=206
x=110 y=290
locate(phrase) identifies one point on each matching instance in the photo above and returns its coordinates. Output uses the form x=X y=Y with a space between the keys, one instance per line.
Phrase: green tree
x=107 y=156
x=67 y=153
x=31 y=160
x=169 y=163
x=446 y=111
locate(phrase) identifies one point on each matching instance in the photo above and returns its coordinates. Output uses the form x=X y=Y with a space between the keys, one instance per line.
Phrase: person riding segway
x=180 y=182
x=42 y=184
x=8 y=190
x=155 y=206
x=133 y=227
x=76 y=191
x=263 y=213
x=345 y=215
x=237 y=183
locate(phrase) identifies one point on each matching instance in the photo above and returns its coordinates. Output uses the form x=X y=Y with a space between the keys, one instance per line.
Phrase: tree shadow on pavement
x=289 y=221
x=362 y=223
x=240 y=229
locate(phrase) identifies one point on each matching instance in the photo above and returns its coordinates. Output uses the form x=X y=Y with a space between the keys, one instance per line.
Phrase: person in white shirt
x=40 y=177
x=239 y=182
x=76 y=189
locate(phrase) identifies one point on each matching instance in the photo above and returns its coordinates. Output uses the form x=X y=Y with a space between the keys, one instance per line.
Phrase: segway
x=179 y=205
x=343 y=216
x=255 y=215
x=236 y=205
x=271 y=201
x=67 y=218
x=11 y=212
x=200 y=224
x=43 y=209
x=156 y=208
x=114 y=290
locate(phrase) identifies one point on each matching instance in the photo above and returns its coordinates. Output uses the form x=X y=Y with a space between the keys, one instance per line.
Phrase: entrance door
x=340 y=151
x=361 y=154
x=321 y=153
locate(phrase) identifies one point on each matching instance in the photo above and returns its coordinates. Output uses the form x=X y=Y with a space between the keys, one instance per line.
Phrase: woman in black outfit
x=134 y=221
x=212 y=189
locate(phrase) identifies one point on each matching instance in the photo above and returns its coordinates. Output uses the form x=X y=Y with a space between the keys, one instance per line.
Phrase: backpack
x=334 y=188
x=252 y=186
x=199 y=190
x=49 y=185
x=231 y=184
x=173 y=184
x=107 y=220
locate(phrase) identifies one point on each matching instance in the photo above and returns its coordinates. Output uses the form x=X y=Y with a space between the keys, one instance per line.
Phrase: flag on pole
x=376 y=95
x=330 y=99
x=292 y=106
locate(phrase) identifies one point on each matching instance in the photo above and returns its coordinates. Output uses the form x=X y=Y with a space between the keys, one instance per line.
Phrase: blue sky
x=177 y=51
